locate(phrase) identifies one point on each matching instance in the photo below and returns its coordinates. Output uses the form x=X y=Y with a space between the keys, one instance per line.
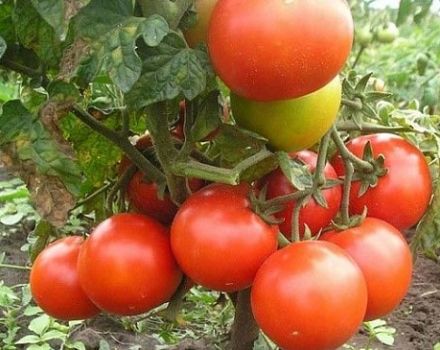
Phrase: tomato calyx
x=339 y=225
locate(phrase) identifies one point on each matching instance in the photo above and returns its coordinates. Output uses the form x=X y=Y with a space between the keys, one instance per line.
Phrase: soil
x=417 y=320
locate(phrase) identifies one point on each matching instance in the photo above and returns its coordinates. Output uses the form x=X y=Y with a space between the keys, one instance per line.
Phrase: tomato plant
x=306 y=287
x=120 y=262
x=198 y=32
x=290 y=125
x=400 y=197
x=282 y=58
x=54 y=281
x=372 y=242
x=312 y=214
x=218 y=241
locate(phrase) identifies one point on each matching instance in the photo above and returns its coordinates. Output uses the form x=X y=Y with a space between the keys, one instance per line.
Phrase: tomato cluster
x=283 y=77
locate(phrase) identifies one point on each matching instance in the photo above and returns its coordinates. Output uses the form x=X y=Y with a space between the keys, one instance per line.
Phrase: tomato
x=126 y=266
x=54 y=282
x=290 y=125
x=388 y=33
x=198 y=33
x=267 y=50
x=402 y=196
x=312 y=214
x=218 y=241
x=309 y=295
x=364 y=36
x=385 y=260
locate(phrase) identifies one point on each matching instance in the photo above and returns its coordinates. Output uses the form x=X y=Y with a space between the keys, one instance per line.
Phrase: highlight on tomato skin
x=218 y=241
x=120 y=263
x=385 y=259
x=54 y=281
x=309 y=295
x=303 y=46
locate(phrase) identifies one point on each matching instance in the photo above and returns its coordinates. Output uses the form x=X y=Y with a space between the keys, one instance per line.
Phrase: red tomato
x=267 y=50
x=218 y=241
x=197 y=34
x=312 y=215
x=54 y=282
x=402 y=196
x=126 y=266
x=309 y=295
x=385 y=260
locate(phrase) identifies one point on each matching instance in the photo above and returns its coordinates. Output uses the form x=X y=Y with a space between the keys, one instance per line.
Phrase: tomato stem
x=356 y=105
x=176 y=301
x=122 y=183
x=15 y=267
x=148 y=168
x=358 y=56
x=370 y=127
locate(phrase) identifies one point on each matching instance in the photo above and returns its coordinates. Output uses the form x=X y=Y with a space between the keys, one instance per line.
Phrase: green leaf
x=297 y=173
x=208 y=117
x=53 y=334
x=39 y=347
x=405 y=8
x=53 y=13
x=40 y=324
x=34 y=143
x=36 y=34
x=3 y=46
x=6 y=25
x=113 y=29
x=437 y=346
x=169 y=70
x=32 y=311
x=11 y=220
x=427 y=237
x=29 y=339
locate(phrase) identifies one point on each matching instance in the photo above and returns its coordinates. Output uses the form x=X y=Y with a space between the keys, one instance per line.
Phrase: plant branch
x=358 y=56
x=356 y=104
x=245 y=329
x=121 y=183
x=15 y=267
x=345 y=202
x=25 y=70
x=92 y=195
x=370 y=127
x=148 y=168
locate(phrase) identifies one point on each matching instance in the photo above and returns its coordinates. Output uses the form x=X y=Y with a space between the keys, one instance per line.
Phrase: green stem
x=345 y=203
x=370 y=127
x=25 y=70
x=358 y=56
x=175 y=304
x=357 y=104
x=92 y=195
x=286 y=198
x=121 y=183
x=346 y=154
x=157 y=124
x=295 y=231
x=148 y=168
x=15 y=267
x=319 y=178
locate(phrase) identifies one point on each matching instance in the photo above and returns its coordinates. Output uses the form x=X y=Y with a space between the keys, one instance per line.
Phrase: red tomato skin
x=402 y=196
x=218 y=241
x=385 y=260
x=298 y=50
x=313 y=215
x=126 y=266
x=309 y=295
x=54 y=282
x=143 y=196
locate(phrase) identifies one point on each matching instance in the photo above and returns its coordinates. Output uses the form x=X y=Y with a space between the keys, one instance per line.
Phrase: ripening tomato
x=198 y=33
x=384 y=258
x=218 y=241
x=268 y=50
x=54 y=281
x=402 y=196
x=290 y=125
x=312 y=214
x=126 y=266
x=309 y=295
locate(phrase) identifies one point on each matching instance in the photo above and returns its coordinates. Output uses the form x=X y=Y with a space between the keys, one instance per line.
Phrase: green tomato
x=388 y=33
x=290 y=125
x=364 y=36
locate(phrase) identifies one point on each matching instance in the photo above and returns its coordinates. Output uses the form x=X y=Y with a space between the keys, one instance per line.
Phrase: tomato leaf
x=3 y=46
x=169 y=70
x=113 y=30
x=297 y=173
x=208 y=117
x=33 y=143
x=427 y=237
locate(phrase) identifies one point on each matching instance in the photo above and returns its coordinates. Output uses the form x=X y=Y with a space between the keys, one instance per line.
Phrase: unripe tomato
x=364 y=36
x=388 y=33
x=218 y=241
x=290 y=125
x=400 y=197
x=268 y=50
x=126 y=266
x=54 y=282
x=312 y=214
x=385 y=260
x=198 y=33
x=309 y=295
